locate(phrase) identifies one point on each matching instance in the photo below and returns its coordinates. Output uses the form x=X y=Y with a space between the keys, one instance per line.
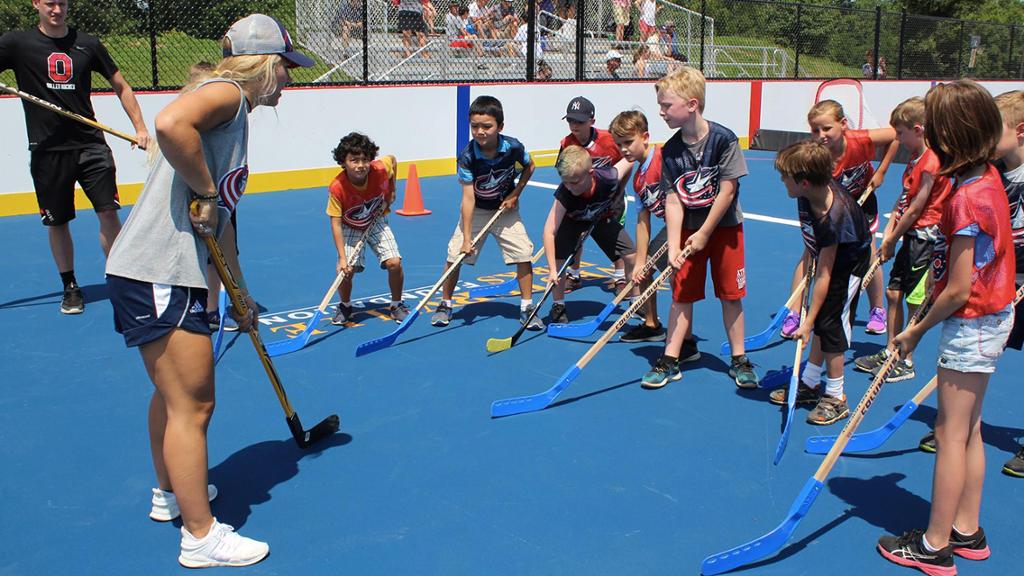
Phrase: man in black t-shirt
x=55 y=63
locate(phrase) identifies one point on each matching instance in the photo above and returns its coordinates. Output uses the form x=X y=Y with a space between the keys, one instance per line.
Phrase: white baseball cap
x=612 y=55
x=261 y=34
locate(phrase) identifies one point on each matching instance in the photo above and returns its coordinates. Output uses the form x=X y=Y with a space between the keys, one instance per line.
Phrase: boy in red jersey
x=852 y=153
x=360 y=198
x=630 y=131
x=579 y=114
x=915 y=219
x=974 y=269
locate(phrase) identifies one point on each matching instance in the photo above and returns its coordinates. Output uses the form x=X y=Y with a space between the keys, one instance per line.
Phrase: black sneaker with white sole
x=644 y=333
x=72 y=302
x=908 y=550
x=689 y=352
x=972 y=546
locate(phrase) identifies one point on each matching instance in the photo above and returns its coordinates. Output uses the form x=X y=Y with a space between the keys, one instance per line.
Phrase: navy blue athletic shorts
x=144 y=312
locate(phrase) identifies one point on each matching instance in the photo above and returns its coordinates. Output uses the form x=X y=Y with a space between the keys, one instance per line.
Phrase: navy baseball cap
x=579 y=110
x=261 y=34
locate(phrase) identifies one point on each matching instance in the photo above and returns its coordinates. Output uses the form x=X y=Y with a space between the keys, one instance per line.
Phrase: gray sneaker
x=342 y=315
x=442 y=315
x=536 y=324
x=72 y=302
x=399 y=312
x=901 y=371
x=742 y=371
x=871 y=362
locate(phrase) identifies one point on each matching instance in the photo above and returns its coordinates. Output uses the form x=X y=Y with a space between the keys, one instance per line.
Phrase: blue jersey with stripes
x=493 y=179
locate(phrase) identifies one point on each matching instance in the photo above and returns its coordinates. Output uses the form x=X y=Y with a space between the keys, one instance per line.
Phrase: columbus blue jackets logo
x=232 y=186
x=653 y=199
x=359 y=217
x=939 y=258
x=495 y=184
x=855 y=178
x=809 y=240
x=592 y=211
x=698 y=188
x=600 y=161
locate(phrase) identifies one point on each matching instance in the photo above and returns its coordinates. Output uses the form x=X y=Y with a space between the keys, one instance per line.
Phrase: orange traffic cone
x=412 y=205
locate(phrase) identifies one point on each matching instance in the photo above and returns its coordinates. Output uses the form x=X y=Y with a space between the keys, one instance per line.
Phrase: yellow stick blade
x=498 y=344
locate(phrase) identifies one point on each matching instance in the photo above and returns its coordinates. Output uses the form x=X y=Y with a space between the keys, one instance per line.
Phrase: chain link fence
x=156 y=42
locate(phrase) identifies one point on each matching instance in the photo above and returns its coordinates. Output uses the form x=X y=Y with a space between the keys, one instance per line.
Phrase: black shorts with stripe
x=144 y=311
x=54 y=174
x=833 y=325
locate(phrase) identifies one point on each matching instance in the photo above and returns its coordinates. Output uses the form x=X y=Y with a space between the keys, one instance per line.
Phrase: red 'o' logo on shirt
x=60 y=67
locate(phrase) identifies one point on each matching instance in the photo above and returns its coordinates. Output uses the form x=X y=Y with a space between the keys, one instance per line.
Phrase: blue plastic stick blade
x=582 y=329
x=298 y=342
x=866 y=441
x=494 y=289
x=385 y=341
x=778 y=378
x=523 y=404
x=768 y=544
x=790 y=413
x=761 y=339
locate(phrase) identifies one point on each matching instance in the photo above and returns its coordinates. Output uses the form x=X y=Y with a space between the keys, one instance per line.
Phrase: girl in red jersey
x=852 y=151
x=974 y=270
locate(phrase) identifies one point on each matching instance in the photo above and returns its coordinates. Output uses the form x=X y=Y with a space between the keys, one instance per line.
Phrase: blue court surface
x=612 y=479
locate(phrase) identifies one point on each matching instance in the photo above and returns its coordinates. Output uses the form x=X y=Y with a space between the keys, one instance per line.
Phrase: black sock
x=736 y=358
x=68 y=278
x=670 y=360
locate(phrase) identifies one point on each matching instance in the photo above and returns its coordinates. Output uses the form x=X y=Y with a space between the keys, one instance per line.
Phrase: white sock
x=349 y=303
x=834 y=387
x=524 y=303
x=395 y=303
x=927 y=546
x=812 y=375
x=448 y=303
x=562 y=302
x=574 y=272
x=619 y=274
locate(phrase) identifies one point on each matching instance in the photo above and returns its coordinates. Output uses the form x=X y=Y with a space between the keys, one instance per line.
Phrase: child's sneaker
x=558 y=315
x=535 y=322
x=342 y=315
x=829 y=410
x=1015 y=466
x=399 y=312
x=573 y=283
x=644 y=333
x=220 y=547
x=900 y=371
x=871 y=362
x=973 y=547
x=442 y=315
x=742 y=371
x=804 y=395
x=689 y=352
x=230 y=325
x=663 y=371
x=908 y=550
x=927 y=443
x=876 y=321
x=790 y=324
x=165 y=504
x=618 y=285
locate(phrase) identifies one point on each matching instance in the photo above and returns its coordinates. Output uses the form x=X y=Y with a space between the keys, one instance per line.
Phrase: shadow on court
x=246 y=478
x=90 y=293
x=1003 y=438
x=882 y=502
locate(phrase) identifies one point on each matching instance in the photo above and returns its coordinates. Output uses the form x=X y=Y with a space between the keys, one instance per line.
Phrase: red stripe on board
x=755 y=109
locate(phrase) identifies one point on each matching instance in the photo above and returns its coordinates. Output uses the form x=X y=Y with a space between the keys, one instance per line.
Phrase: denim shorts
x=974 y=344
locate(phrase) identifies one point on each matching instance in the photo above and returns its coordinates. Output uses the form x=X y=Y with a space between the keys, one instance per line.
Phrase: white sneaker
x=165 y=504
x=221 y=547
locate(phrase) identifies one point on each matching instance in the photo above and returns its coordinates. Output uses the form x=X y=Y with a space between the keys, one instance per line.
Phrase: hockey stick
x=510 y=406
x=870 y=273
x=77 y=117
x=299 y=342
x=504 y=287
x=304 y=438
x=763 y=338
x=773 y=541
x=868 y=190
x=875 y=438
x=385 y=341
x=794 y=381
x=495 y=345
x=584 y=329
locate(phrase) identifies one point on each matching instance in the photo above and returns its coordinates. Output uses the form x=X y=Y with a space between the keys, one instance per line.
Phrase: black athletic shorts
x=1016 y=340
x=54 y=174
x=910 y=264
x=610 y=236
x=411 y=21
x=833 y=325
x=144 y=312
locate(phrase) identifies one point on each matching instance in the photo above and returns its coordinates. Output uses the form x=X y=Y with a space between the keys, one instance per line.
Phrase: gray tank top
x=157 y=243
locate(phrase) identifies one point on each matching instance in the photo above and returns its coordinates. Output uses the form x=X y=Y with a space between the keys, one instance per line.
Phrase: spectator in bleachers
x=520 y=40
x=882 y=68
x=670 y=43
x=612 y=62
x=620 y=11
x=543 y=71
x=648 y=19
x=651 y=63
x=351 y=20
x=410 y=19
x=429 y=15
x=455 y=29
x=481 y=16
x=506 y=23
x=867 y=68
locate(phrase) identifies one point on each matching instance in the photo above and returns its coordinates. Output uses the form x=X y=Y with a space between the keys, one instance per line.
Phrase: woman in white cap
x=156 y=273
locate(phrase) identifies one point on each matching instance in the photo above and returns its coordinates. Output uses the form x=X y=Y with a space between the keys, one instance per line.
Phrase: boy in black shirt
x=837 y=237
x=55 y=63
x=586 y=197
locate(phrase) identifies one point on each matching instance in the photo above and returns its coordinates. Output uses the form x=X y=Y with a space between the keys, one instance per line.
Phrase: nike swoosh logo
x=916 y=268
